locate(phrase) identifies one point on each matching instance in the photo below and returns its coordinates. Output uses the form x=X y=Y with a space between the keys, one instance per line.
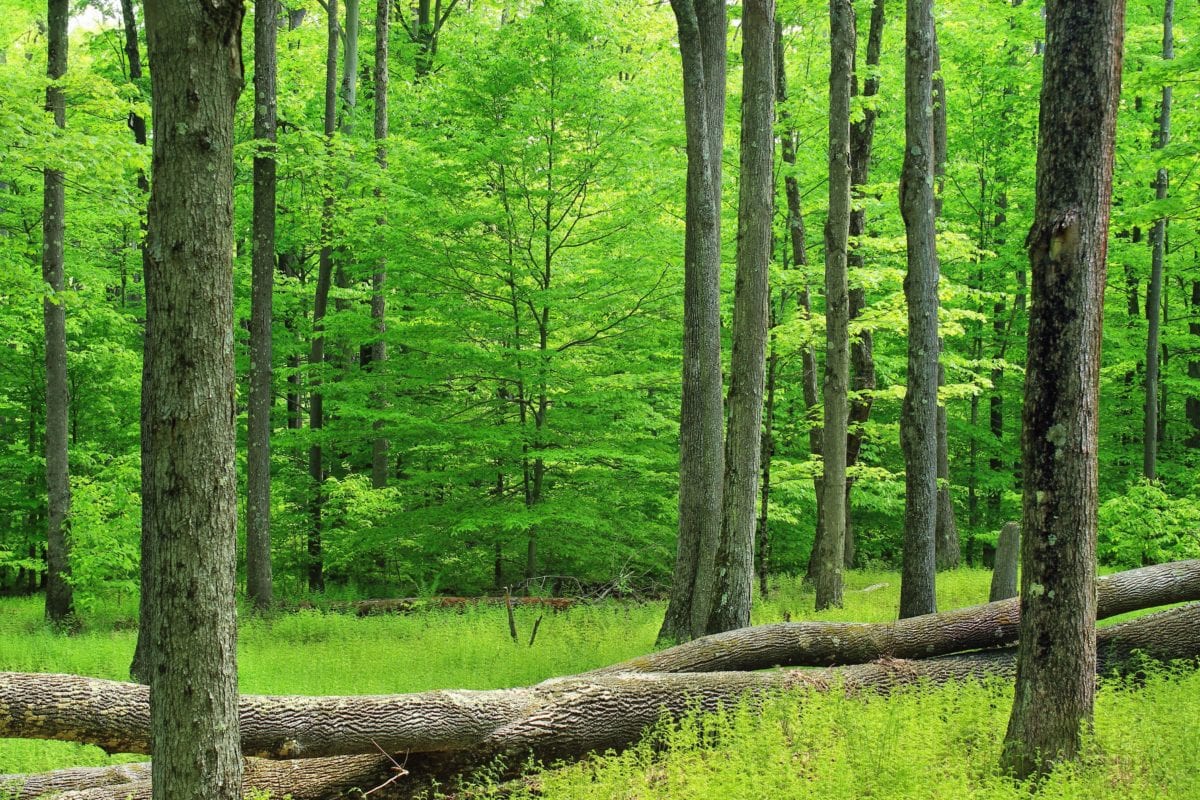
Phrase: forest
x=741 y=362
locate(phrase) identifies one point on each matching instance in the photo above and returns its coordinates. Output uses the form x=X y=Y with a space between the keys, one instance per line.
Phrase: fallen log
x=563 y=717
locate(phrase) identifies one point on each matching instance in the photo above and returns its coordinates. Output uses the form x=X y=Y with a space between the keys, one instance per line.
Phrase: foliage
x=1147 y=526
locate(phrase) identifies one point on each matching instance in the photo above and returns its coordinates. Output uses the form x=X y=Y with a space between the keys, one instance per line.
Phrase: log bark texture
x=558 y=719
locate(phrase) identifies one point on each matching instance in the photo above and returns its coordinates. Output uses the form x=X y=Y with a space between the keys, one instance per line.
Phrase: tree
x=258 y=425
x=58 y=481
x=1158 y=245
x=189 y=504
x=1068 y=246
x=918 y=419
x=828 y=578
x=378 y=350
x=743 y=444
x=702 y=25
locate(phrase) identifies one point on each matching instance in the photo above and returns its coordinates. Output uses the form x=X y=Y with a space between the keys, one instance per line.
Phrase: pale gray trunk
x=918 y=416
x=189 y=487
x=1158 y=245
x=702 y=25
x=258 y=425
x=1068 y=246
x=1008 y=557
x=743 y=445
x=54 y=318
x=828 y=578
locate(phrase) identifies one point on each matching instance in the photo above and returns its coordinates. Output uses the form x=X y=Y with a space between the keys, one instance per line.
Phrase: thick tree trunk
x=862 y=349
x=918 y=417
x=258 y=425
x=54 y=318
x=1158 y=245
x=379 y=445
x=828 y=578
x=316 y=357
x=189 y=487
x=743 y=445
x=450 y=736
x=1008 y=557
x=1068 y=246
x=702 y=25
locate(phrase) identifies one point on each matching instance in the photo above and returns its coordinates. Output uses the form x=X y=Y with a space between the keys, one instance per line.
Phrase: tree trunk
x=189 y=487
x=918 y=417
x=1008 y=556
x=743 y=445
x=1192 y=406
x=702 y=25
x=1067 y=249
x=450 y=736
x=379 y=445
x=58 y=481
x=828 y=578
x=258 y=425
x=1158 y=245
x=862 y=349
x=316 y=358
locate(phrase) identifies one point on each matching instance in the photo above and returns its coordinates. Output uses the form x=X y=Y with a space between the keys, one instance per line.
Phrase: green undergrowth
x=925 y=743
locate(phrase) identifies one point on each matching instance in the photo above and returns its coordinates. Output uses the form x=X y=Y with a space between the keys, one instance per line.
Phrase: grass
x=924 y=743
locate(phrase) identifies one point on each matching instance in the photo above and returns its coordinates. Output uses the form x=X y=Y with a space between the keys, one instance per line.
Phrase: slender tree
x=258 y=426
x=702 y=25
x=1158 y=249
x=743 y=443
x=1068 y=243
x=54 y=318
x=316 y=356
x=830 y=557
x=189 y=487
x=378 y=349
x=918 y=417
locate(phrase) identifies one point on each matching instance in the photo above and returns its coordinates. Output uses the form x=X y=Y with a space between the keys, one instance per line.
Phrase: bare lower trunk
x=828 y=578
x=1008 y=556
x=743 y=446
x=1068 y=246
x=58 y=482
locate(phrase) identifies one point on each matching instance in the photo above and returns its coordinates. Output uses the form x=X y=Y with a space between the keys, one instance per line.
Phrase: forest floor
x=921 y=744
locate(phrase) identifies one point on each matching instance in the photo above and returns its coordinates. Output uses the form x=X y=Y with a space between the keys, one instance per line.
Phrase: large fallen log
x=560 y=718
x=802 y=644
x=577 y=716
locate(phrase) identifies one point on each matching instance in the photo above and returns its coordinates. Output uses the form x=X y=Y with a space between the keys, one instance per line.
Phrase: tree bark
x=743 y=445
x=1158 y=247
x=1068 y=246
x=58 y=481
x=918 y=416
x=702 y=25
x=316 y=357
x=258 y=425
x=379 y=445
x=450 y=736
x=189 y=503
x=1008 y=556
x=828 y=578
x=862 y=349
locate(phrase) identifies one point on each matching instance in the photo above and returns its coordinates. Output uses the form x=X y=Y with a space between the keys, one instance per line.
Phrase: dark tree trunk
x=189 y=488
x=58 y=481
x=918 y=417
x=862 y=349
x=828 y=578
x=743 y=445
x=316 y=357
x=702 y=25
x=379 y=445
x=1067 y=249
x=1193 y=369
x=258 y=425
x=1158 y=245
